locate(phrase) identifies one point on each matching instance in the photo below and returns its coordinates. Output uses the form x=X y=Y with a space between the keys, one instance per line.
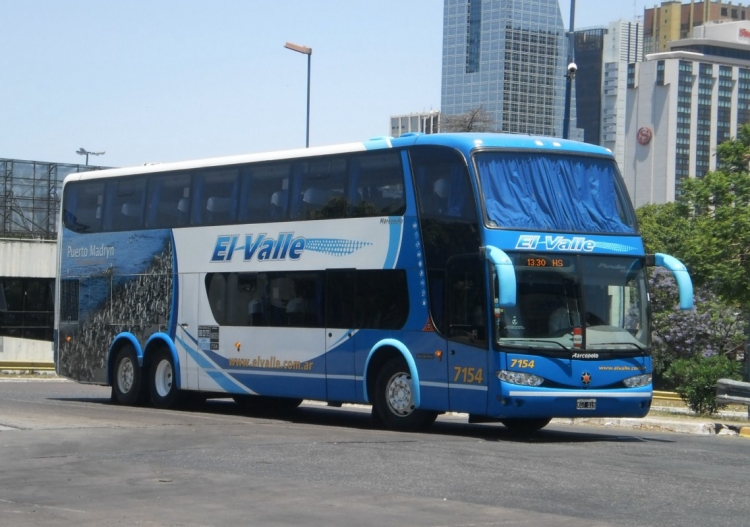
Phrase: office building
x=681 y=104
x=589 y=57
x=508 y=57
x=623 y=45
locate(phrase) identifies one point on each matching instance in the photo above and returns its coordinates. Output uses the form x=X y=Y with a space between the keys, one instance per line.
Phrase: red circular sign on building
x=645 y=135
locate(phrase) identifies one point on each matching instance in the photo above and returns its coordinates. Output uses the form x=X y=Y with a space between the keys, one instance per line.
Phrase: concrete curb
x=646 y=423
x=663 y=425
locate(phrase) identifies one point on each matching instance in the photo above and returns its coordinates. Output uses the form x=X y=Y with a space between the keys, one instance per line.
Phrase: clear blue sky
x=169 y=80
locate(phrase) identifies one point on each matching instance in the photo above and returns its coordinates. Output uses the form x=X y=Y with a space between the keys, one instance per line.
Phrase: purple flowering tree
x=712 y=327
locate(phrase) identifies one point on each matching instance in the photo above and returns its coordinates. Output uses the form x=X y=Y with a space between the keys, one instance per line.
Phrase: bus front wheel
x=394 y=399
x=162 y=383
x=127 y=385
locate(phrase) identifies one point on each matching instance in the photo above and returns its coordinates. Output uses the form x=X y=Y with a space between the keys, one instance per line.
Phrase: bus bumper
x=525 y=401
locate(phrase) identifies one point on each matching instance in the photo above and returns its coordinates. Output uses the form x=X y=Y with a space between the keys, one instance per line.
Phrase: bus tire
x=523 y=426
x=127 y=384
x=394 y=399
x=162 y=383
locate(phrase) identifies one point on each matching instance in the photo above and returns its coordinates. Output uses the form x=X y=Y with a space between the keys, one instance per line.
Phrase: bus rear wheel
x=393 y=403
x=127 y=385
x=525 y=426
x=162 y=382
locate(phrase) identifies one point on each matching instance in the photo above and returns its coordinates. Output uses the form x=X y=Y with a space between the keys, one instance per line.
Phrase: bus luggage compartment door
x=186 y=332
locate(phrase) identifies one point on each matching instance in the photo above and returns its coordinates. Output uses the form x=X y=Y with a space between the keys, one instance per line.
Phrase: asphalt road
x=69 y=457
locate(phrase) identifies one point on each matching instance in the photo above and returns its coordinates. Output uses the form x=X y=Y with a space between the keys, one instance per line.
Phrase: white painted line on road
x=34 y=380
x=41 y=506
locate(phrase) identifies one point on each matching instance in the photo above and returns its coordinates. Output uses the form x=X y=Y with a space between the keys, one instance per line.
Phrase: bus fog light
x=515 y=377
x=638 y=381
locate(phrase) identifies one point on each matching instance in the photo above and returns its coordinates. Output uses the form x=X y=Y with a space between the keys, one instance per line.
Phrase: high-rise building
x=623 y=45
x=589 y=57
x=508 y=57
x=681 y=104
x=674 y=20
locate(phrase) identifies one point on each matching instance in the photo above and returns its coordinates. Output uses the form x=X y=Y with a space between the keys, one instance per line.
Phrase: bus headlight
x=638 y=381
x=516 y=377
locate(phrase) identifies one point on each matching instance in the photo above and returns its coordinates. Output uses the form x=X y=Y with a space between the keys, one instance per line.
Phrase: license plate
x=586 y=404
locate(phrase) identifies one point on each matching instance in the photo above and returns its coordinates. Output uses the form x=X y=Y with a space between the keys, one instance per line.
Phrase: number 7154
x=468 y=375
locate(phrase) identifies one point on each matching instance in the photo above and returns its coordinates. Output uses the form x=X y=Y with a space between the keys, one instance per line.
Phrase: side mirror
x=506 y=276
x=681 y=276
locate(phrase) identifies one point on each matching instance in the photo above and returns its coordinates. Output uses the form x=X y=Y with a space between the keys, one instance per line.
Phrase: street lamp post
x=572 y=69
x=84 y=152
x=305 y=51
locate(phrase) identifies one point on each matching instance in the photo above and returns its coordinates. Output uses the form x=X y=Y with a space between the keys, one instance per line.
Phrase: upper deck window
x=523 y=190
x=353 y=185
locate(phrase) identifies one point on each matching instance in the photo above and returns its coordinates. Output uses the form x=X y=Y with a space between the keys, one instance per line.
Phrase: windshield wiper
x=505 y=341
x=590 y=346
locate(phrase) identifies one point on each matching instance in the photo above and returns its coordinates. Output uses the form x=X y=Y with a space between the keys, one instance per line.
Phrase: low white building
x=29 y=212
x=27 y=278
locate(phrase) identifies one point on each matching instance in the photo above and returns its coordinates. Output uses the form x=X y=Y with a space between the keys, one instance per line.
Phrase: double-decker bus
x=500 y=276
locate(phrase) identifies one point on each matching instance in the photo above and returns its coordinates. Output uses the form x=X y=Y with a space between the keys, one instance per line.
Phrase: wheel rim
x=399 y=394
x=125 y=375
x=163 y=378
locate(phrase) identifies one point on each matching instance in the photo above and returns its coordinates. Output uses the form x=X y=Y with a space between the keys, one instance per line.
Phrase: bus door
x=186 y=332
x=466 y=334
x=340 y=301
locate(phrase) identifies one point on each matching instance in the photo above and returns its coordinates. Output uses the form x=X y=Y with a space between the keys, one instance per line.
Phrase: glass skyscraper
x=508 y=57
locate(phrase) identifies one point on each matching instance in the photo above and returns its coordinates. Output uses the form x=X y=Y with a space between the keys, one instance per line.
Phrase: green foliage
x=717 y=251
x=734 y=155
x=713 y=327
x=695 y=379
x=664 y=228
x=708 y=229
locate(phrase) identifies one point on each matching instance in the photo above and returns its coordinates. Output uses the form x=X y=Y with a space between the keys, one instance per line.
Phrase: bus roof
x=464 y=142
x=469 y=141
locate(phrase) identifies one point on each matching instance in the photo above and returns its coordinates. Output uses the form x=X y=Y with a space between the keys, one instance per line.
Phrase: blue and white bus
x=500 y=276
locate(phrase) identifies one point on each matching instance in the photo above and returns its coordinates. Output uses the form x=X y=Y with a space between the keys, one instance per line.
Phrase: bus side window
x=84 y=203
x=124 y=204
x=318 y=190
x=279 y=204
x=304 y=309
x=255 y=195
x=169 y=201
x=216 y=285
x=382 y=299
x=443 y=185
x=377 y=185
x=216 y=193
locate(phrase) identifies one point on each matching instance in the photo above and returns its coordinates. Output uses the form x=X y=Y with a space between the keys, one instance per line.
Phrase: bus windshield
x=576 y=302
x=553 y=192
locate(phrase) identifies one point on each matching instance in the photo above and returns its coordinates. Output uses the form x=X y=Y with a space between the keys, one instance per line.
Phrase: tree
x=718 y=209
x=664 y=228
x=708 y=228
x=476 y=120
x=713 y=327
x=696 y=380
